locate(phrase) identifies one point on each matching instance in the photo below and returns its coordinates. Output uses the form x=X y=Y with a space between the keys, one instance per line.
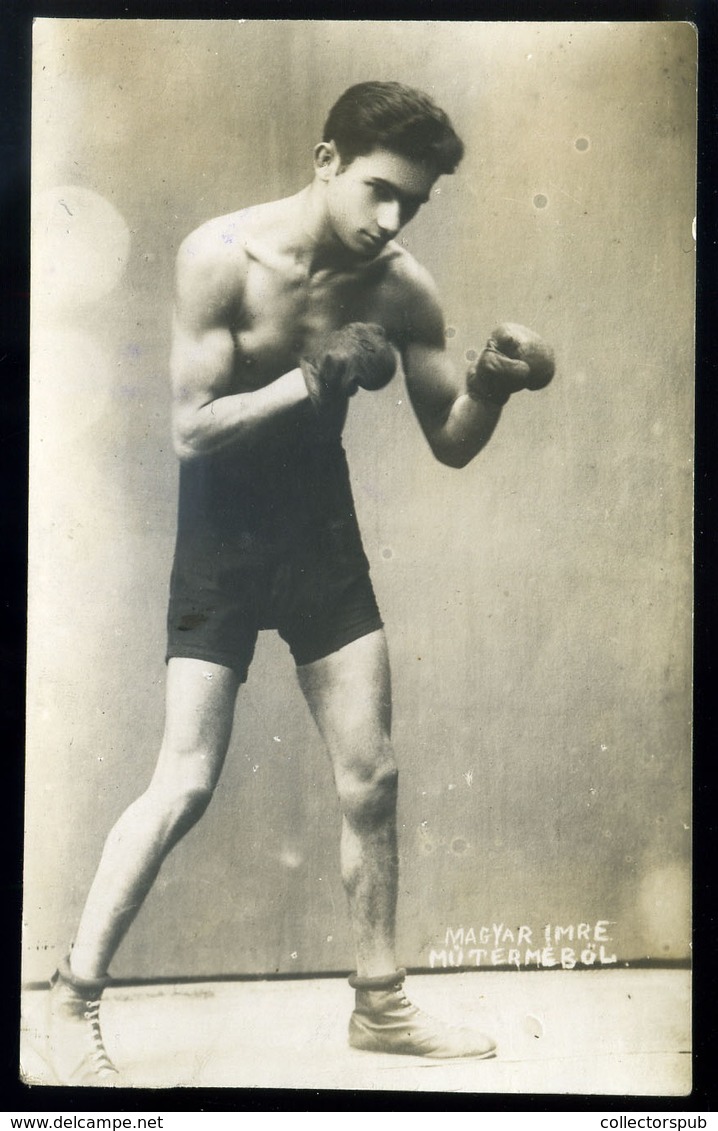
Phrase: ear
x=326 y=159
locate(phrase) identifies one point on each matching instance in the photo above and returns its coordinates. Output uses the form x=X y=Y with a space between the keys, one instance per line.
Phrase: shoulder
x=412 y=295
x=407 y=272
x=211 y=266
x=215 y=249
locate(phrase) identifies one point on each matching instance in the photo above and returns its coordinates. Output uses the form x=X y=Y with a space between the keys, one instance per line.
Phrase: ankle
x=90 y=986
x=379 y=981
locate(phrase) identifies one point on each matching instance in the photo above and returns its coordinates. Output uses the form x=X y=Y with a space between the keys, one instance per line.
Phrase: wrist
x=312 y=383
x=486 y=385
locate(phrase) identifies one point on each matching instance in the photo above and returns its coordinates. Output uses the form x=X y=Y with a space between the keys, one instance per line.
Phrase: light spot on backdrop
x=80 y=247
x=71 y=378
x=664 y=907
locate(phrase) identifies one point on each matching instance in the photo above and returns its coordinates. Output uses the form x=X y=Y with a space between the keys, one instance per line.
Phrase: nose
x=388 y=217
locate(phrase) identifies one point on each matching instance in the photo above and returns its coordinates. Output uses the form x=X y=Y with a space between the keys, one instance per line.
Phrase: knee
x=368 y=791
x=180 y=804
x=191 y=802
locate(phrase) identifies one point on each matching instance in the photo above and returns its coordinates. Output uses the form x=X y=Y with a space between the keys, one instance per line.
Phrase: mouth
x=375 y=242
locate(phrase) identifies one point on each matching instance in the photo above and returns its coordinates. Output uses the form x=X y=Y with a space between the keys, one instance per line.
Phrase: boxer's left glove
x=514 y=358
x=358 y=355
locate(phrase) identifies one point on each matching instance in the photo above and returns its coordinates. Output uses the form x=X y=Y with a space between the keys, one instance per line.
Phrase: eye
x=382 y=192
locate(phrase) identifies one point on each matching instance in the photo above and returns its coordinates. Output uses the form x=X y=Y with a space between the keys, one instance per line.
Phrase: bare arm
x=206 y=415
x=456 y=425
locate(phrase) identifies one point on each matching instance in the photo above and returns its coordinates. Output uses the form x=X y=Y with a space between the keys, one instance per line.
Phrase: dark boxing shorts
x=268 y=541
x=314 y=615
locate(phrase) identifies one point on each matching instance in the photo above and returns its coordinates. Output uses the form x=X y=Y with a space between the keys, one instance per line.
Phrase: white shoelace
x=98 y=1055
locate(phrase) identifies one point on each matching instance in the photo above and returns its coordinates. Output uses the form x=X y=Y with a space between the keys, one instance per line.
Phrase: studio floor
x=589 y=1032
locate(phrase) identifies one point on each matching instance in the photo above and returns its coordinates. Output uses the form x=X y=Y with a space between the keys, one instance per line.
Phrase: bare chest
x=284 y=315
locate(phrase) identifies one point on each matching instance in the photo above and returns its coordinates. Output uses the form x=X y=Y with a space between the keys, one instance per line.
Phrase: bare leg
x=349 y=695
x=200 y=708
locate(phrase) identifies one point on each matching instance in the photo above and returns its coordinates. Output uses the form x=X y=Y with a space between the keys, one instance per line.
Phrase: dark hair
x=392 y=116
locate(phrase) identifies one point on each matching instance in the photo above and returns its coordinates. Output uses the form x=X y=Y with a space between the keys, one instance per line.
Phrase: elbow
x=457 y=460
x=186 y=440
x=453 y=456
x=184 y=451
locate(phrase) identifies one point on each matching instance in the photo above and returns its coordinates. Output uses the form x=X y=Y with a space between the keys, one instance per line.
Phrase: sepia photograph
x=360 y=556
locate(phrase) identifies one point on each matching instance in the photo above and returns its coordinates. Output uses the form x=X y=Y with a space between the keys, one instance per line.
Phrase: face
x=370 y=200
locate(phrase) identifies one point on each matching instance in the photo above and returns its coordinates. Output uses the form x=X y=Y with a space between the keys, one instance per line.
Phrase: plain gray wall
x=537 y=603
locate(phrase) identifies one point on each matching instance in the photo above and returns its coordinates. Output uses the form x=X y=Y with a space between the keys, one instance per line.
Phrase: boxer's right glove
x=514 y=358
x=357 y=355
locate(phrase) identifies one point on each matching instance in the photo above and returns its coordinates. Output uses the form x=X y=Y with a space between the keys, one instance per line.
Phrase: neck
x=318 y=246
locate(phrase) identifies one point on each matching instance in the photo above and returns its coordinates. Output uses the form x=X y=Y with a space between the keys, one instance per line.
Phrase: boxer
x=282 y=313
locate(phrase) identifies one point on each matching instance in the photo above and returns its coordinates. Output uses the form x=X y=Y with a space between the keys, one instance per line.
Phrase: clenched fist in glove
x=514 y=358
x=357 y=355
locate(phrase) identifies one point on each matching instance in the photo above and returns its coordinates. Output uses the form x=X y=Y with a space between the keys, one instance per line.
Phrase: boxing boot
x=75 y=1049
x=384 y=1020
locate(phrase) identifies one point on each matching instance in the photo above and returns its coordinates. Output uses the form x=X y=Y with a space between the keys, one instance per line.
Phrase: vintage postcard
x=362 y=381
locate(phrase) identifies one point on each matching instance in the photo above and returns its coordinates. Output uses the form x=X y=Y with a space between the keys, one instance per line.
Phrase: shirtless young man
x=263 y=364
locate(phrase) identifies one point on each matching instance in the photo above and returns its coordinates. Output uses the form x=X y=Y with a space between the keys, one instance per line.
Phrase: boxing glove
x=358 y=355
x=514 y=358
